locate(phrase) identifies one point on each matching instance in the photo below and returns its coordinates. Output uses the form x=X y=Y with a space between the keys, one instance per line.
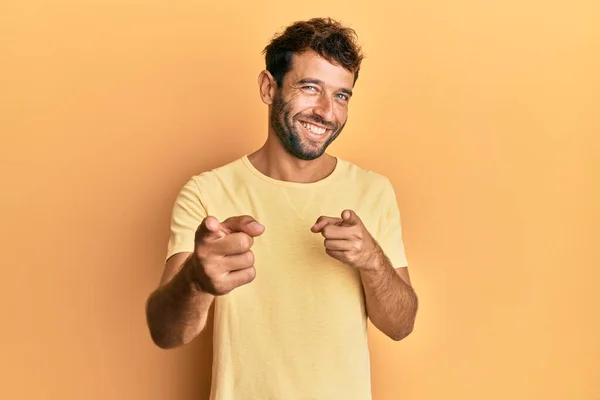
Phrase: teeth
x=314 y=129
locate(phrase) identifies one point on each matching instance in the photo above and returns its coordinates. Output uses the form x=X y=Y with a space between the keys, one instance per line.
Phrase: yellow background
x=484 y=115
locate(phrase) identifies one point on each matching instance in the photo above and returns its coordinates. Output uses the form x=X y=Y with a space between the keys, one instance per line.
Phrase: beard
x=285 y=126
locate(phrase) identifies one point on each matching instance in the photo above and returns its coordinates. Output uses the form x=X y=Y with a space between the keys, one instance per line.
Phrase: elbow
x=395 y=332
x=161 y=340
x=166 y=338
x=403 y=329
x=167 y=331
x=401 y=333
x=167 y=341
x=407 y=325
x=156 y=329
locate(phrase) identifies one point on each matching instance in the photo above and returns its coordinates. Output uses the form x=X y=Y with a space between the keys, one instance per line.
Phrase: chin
x=307 y=155
x=303 y=146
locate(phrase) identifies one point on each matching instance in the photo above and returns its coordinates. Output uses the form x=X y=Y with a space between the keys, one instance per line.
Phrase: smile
x=317 y=130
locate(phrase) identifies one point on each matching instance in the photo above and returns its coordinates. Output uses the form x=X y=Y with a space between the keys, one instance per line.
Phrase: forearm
x=391 y=303
x=177 y=311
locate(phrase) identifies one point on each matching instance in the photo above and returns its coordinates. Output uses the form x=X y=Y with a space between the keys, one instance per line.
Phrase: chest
x=291 y=262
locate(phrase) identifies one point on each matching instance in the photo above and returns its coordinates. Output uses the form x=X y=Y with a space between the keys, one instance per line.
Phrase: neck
x=275 y=162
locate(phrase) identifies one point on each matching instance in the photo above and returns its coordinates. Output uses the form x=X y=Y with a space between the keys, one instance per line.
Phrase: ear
x=267 y=86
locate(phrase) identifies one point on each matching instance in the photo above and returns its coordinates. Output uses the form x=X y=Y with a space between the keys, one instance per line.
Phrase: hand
x=222 y=260
x=347 y=240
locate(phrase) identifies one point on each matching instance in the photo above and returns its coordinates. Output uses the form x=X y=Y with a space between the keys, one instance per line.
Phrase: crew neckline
x=252 y=169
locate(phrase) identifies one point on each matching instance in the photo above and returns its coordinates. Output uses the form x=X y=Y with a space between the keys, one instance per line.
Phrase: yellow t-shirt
x=299 y=330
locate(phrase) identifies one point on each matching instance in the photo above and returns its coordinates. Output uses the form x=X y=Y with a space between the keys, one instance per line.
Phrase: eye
x=309 y=88
x=343 y=96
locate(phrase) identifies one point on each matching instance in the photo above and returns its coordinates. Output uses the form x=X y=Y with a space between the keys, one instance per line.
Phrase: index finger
x=234 y=243
x=323 y=221
x=244 y=223
x=331 y=231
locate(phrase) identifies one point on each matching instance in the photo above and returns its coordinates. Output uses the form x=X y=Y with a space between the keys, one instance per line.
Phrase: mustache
x=317 y=120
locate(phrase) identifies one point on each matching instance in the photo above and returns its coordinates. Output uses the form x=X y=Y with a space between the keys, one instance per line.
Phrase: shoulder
x=368 y=178
x=204 y=186
x=216 y=176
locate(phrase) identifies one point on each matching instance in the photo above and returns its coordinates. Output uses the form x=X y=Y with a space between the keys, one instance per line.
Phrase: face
x=310 y=110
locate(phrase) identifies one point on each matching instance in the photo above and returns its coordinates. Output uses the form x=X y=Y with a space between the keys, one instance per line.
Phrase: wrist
x=190 y=275
x=375 y=261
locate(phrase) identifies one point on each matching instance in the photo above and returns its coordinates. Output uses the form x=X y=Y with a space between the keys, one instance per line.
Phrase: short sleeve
x=188 y=212
x=390 y=228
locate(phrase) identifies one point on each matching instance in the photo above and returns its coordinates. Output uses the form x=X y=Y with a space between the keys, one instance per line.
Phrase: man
x=295 y=248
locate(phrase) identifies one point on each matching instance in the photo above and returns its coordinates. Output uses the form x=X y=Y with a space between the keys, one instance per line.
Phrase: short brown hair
x=325 y=36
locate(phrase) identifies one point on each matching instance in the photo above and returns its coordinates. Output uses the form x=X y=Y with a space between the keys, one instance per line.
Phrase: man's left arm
x=391 y=301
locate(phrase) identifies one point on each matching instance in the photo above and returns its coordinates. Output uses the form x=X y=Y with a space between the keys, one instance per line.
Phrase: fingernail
x=255 y=225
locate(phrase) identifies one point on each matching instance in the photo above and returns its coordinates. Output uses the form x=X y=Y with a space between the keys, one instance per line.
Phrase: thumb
x=350 y=217
x=209 y=227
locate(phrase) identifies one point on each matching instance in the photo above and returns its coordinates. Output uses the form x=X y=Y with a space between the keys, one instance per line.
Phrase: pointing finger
x=244 y=223
x=323 y=221
x=234 y=243
x=335 y=232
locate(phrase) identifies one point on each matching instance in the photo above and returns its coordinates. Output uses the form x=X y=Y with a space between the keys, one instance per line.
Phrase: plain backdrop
x=484 y=114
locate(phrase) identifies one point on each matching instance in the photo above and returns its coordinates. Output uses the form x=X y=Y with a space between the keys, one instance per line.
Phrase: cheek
x=306 y=102
x=341 y=114
x=301 y=106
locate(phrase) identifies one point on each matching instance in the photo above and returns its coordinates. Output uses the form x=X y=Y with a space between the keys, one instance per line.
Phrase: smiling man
x=297 y=249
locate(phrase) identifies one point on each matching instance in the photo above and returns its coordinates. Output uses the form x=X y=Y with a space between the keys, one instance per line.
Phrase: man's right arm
x=177 y=311
x=223 y=260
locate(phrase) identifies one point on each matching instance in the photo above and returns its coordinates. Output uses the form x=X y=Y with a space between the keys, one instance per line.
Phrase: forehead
x=311 y=65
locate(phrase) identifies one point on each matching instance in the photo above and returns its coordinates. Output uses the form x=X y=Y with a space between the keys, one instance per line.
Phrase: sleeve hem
x=177 y=250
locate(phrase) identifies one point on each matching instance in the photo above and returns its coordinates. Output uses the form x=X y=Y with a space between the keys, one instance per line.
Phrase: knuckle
x=245 y=241
x=250 y=274
x=228 y=221
x=201 y=251
x=246 y=218
x=210 y=266
x=210 y=274
x=221 y=286
x=200 y=228
x=199 y=240
x=249 y=258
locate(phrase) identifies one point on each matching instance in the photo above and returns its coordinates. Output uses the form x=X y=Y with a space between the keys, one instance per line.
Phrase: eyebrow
x=320 y=82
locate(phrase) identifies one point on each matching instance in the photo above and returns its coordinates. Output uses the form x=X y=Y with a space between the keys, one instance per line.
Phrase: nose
x=324 y=108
